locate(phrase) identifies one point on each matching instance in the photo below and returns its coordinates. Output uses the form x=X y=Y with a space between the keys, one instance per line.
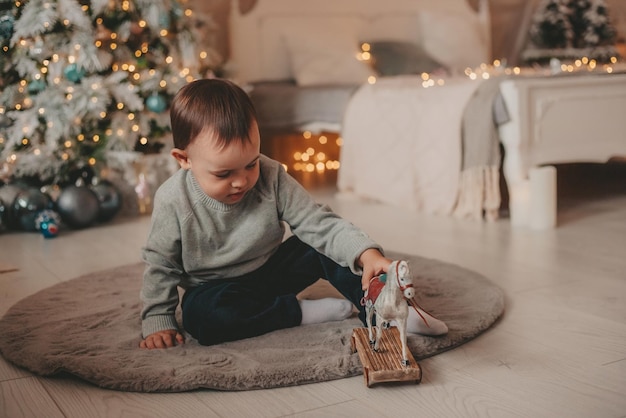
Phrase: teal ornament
x=48 y=223
x=178 y=11
x=36 y=86
x=164 y=20
x=7 y=23
x=74 y=73
x=156 y=103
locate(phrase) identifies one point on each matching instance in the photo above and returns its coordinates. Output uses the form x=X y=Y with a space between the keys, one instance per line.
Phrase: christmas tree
x=571 y=29
x=82 y=79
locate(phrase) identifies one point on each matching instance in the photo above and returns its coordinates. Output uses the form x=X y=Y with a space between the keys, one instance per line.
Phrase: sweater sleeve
x=163 y=272
x=318 y=226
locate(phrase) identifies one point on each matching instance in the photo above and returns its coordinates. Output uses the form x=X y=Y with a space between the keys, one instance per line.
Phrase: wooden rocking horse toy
x=388 y=296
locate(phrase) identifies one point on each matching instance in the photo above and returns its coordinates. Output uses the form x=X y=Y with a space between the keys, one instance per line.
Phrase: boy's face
x=226 y=174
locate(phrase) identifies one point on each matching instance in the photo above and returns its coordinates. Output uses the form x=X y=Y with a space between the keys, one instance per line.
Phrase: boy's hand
x=162 y=339
x=373 y=264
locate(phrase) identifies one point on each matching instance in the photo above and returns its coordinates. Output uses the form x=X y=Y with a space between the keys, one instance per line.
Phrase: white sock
x=416 y=325
x=324 y=310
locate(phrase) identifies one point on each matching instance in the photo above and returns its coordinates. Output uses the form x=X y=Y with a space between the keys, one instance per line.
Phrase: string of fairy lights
x=320 y=154
x=498 y=67
x=313 y=160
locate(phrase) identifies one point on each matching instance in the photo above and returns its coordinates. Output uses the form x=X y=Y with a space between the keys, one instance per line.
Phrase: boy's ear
x=182 y=158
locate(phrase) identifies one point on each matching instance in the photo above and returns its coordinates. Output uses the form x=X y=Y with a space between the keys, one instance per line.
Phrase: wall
x=507 y=18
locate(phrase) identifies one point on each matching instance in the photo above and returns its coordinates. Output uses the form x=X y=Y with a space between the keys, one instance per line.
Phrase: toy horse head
x=400 y=269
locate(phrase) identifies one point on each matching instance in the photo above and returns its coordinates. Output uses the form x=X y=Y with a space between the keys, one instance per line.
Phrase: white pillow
x=325 y=54
x=454 y=40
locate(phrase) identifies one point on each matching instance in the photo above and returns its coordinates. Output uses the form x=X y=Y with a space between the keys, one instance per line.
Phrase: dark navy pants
x=264 y=300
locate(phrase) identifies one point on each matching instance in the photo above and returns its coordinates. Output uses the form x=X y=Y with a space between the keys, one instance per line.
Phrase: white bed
x=407 y=145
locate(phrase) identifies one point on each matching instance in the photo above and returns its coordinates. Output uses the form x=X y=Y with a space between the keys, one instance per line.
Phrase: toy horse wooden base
x=386 y=364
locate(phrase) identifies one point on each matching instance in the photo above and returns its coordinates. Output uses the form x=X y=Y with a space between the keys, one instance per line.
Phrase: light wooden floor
x=559 y=351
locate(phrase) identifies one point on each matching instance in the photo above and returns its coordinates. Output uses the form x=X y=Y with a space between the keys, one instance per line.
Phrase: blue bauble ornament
x=78 y=206
x=156 y=103
x=74 y=73
x=36 y=86
x=110 y=200
x=177 y=10
x=48 y=223
x=164 y=20
x=27 y=204
x=7 y=22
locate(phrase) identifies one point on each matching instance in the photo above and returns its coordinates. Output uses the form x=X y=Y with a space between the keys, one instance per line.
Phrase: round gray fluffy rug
x=90 y=327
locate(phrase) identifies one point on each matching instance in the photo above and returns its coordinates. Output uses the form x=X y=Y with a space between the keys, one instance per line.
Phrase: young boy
x=217 y=231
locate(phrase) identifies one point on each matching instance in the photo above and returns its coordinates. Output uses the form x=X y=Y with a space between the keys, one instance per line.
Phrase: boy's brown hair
x=211 y=104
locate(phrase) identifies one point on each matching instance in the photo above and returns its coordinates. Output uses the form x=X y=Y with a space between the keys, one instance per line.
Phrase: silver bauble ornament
x=78 y=206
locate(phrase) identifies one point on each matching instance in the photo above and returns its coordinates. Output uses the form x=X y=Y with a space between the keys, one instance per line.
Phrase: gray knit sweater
x=194 y=238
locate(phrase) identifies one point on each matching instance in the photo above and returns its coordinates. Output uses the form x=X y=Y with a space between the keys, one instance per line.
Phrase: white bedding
x=402 y=143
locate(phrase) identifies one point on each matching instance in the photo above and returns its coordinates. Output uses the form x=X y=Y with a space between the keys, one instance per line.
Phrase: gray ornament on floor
x=27 y=204
x=110 y=200
x=3 y=216
x=8 y=193
x=78 y=206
